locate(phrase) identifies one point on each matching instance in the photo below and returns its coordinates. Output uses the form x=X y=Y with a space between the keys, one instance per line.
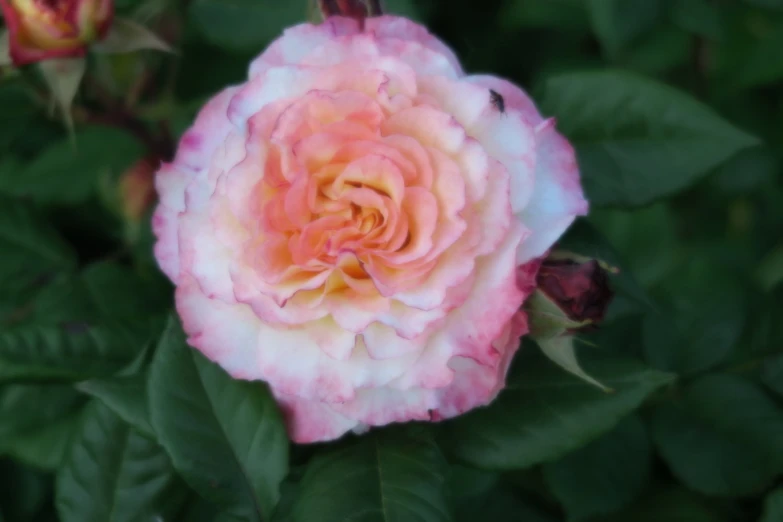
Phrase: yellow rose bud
x=43 y=29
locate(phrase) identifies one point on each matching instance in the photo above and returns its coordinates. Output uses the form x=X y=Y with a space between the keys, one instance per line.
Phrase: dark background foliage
x=676 y=110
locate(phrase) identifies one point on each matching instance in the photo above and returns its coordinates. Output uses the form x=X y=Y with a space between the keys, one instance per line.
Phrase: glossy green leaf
x=617 y=23
x=38 y=422
x=669 y=504
x=748 y=171
x=383 y=477
x=82 y=327
x=698 y=321
x=561 y=351
x=126 y=36
x=724 y=436
x=649 y=262
x=225 y=437
x=32 y=253
x=199 y=510
x=545 y=412
x=638 y=140
x=114 y=474
x=245 y=25
x=69 y=171
x=63 y=75
x=126 y=396
x=71 y=351
x=18 y=111
x=476 y=494
x=122 y=295
x=604 y=476
x=47 y=447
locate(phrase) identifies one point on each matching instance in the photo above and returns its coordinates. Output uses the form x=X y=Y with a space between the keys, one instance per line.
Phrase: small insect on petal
x=497 y=101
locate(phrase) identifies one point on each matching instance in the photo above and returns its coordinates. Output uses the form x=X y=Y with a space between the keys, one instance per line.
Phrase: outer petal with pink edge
x=393 y=36
x=557 y=197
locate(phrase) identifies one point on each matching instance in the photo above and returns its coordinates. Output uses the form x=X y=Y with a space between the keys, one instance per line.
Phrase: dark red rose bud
x=358 y=9
x=580 y=290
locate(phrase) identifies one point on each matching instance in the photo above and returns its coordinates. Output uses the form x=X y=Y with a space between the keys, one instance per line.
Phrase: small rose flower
x=359 y=223
x=580 y=290
x=44 y=29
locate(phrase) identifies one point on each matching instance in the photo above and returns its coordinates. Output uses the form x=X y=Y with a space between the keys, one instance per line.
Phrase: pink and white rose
x=359 y=223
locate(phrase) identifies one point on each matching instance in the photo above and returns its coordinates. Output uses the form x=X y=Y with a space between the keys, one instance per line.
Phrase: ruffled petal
x=557 y=197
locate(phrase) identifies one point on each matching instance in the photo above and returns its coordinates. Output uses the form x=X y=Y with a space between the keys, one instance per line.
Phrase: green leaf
x=772 y=373
x=225 y=437
x=38 y=422
x=121 y=295
x=562 y=14
x=770 y=270
x=649 y=261
x=5 y=49
x=723 y=437
x=480 y=495
x=698 y=16
x=69 y=171
x=662 y=50
x=32 y=253
x=768 y=4
x=18 y=112
x=672 y=504
x=64 y=76
x=617 y=23
x=773 y=507
x=71 y=351
x=387 y=476
x=638 y=140
x=82 y=327
x=114 y=474
x=199 y=510
x=748 y=171
x=244 y=25
x=545 y=412
x=126 y=396
x=546 y=320
x=604 y=476
x=560 y=350
x=700 y=319
x=411 y=9
x=47 y=448
x=748 y=56
x=25 y=492
x=126 y=36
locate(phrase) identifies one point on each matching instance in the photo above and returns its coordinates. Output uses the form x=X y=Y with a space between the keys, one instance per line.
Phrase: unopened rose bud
x=358 y=9
x=571 y=297
x=137 y=189
x=44 y=29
